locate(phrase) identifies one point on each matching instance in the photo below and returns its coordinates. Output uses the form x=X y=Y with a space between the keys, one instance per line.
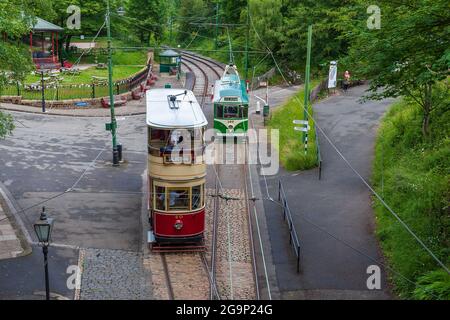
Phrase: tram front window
x=229 y=112
x=178 y=199
x=196 y=197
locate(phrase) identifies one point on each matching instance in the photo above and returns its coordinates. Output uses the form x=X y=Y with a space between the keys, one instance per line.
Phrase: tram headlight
x=230 y=127
x=178 y=225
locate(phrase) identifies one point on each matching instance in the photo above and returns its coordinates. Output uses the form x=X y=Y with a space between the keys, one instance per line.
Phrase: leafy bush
x=435 y=284
x=412 y=174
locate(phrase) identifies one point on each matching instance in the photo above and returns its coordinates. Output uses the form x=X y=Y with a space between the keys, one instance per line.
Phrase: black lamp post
x=43 y=228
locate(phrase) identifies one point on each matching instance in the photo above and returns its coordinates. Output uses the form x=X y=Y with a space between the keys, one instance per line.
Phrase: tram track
x=222 y=261
x=198 y=260
x=240 y=170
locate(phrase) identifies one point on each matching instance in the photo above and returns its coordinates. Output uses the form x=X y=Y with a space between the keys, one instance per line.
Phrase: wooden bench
x=137 y=94
x=118 y=102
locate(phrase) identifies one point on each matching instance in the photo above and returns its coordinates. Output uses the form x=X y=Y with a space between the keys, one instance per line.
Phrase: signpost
x=305 y=125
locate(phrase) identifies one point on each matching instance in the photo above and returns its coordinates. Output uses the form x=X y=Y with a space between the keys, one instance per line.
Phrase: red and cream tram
x=176 y=168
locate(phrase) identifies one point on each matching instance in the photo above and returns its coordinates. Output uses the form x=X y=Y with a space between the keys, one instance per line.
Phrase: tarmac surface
x=333 y=217
x=64 y=163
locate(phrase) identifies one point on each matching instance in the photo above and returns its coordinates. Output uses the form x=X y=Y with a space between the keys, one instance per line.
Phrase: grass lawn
x=85 y=76
x=291 y=149
x=412 y=173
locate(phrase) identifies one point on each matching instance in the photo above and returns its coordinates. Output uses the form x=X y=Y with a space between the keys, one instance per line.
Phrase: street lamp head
x=43 y=228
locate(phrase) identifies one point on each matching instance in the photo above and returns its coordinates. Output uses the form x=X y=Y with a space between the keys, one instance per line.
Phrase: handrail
x=287 y=216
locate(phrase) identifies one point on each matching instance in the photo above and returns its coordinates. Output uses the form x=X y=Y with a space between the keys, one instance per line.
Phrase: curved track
x=230 y=231
x=230 y=178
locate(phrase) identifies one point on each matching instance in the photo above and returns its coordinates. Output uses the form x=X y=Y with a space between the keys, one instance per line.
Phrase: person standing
x=346 y=80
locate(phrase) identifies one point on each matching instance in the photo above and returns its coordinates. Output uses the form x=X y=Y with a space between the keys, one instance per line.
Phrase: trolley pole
x=113 y=125
x=307 y=78
x=247 y=39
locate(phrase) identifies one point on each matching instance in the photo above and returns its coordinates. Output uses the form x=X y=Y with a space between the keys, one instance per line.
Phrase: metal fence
x=57 y=92
x=287 y=216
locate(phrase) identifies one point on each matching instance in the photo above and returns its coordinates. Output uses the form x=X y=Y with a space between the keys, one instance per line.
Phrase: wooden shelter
x=44 y=45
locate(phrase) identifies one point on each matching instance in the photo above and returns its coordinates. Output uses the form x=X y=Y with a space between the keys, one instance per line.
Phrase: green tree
x=16 y=19
x=191 y=14
x=92 y=16
x=408 y=56
x=147 y=18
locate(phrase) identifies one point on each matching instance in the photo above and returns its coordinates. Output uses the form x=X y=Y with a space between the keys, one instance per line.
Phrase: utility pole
x=307 y=76
x=216 y=33
x=247 y=39
x=113 y=125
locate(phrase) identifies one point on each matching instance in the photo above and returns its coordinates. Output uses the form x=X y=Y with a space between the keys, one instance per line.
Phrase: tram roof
x=161 y=113
x=230 y=86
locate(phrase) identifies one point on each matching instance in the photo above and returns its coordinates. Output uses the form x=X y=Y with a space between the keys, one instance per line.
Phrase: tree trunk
x=68 y=39
x=427 y=111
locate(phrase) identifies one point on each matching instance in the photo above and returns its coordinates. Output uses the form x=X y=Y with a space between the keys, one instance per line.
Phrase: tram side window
x=197 y=197
x=160 y=198
x=178 y=199
x=219 y=111
x=244 y=111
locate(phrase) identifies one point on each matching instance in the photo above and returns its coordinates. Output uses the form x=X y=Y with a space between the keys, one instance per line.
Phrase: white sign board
x=332 y=75
x=304 y=122
x=303 y=129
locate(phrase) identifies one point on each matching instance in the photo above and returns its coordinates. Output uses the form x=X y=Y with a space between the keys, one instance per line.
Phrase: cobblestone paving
x=233 y=246
x=188 y=277
x=114 y=275
x=234 y=264
x=10 y=246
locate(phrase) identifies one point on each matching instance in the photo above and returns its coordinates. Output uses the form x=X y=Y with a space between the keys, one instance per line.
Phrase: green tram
x=230 y=105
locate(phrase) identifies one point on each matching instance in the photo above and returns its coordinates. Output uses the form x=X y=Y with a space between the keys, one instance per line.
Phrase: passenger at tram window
x=179 y=199
x=175 y=139
x=160 y=194
x=196 y=197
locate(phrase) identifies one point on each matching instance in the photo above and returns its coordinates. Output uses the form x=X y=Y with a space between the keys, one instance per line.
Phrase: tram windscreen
x=178 y=199
x=196 y=197
x=229 y=112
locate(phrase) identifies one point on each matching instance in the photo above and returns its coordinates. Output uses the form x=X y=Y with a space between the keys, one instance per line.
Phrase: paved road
x=23 y=278
x=336 y=207
x=48 y=155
